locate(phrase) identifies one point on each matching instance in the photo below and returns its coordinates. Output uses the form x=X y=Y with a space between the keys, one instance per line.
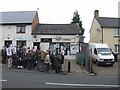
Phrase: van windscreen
x=103 y=50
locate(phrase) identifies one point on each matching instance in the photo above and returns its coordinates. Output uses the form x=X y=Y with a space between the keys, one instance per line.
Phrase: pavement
x=23 y=78
x=74 y=68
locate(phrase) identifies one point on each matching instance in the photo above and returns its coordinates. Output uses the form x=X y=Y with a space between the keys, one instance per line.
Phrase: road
x=105 y=70
x=20 y=78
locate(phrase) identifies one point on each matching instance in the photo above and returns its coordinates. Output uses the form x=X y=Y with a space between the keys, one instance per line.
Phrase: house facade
x=106 y=30
x=16 y=27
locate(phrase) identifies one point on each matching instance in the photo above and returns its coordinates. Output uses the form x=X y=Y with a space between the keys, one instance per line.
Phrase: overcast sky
x=61 y=11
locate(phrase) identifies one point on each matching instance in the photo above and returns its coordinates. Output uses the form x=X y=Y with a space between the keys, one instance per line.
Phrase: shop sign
x=63 y=40
x=21 y=38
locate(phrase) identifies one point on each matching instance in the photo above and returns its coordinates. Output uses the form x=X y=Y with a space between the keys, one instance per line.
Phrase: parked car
x=101 y=54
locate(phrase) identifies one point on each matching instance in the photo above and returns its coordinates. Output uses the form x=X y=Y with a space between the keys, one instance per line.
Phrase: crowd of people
x=27 y=58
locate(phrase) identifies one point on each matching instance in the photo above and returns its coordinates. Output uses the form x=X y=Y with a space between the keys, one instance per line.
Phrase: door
x=7 y=42
x=37 y=44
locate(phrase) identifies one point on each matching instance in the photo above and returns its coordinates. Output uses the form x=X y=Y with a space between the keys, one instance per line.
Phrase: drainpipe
x=102 y=33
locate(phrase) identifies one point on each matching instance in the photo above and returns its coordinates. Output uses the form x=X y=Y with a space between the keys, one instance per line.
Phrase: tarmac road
x=21 y=78
x=105 y=70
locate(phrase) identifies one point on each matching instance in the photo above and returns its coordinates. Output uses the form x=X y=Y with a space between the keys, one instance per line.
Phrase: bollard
x=69 y=66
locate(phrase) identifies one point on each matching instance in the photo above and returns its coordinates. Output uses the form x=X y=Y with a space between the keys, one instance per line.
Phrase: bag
x=46 y=61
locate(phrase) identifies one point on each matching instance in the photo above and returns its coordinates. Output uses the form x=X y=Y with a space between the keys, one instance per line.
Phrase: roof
x=107 y=22
x=99 y=45
x=17 y=17
x=56 y=29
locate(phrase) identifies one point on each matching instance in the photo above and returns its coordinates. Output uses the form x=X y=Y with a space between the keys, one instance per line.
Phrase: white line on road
x=84 y=85
x=3 y=80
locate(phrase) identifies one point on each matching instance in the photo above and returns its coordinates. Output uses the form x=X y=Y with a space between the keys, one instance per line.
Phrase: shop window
x=21 y=43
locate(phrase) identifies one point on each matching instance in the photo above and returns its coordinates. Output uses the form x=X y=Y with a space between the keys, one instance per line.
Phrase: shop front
x=21 y=41
x=65 y=45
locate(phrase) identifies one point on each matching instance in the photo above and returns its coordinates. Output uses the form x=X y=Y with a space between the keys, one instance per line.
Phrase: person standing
x=57 y=62
x=61 y=60
x=47 y=61
x=29 y=59
x=38 y=57
x=24 y=57
x=20 y=56
x=4 y=55
x=14 y=57
x=52 y=60
x=9 y=56
x=43 y=55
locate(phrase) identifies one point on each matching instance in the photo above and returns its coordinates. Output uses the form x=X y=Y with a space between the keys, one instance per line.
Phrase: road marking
x=86 y=85
x=3 y=80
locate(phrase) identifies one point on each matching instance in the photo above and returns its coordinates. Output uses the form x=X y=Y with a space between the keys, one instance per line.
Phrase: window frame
x=117 y=48
x=95 y=51
x=117 y=32
x=21 y=29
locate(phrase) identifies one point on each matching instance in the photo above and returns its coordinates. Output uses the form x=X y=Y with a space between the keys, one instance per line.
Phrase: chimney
x=96 y=14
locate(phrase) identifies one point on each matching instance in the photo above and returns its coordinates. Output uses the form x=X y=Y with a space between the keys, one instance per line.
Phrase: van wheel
x=97 y=63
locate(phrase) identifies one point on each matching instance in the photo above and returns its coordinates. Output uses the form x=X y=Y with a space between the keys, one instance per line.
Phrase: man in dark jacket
x=4 y=55
x=61 y=60
x=57 y=62
x=20 y=56
x=29 y=59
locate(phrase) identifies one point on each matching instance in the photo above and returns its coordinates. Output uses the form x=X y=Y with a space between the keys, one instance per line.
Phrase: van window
x=100 y=50
x=95 y=51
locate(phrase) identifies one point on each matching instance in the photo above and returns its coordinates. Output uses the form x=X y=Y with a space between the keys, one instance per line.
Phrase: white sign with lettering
x=63 y=40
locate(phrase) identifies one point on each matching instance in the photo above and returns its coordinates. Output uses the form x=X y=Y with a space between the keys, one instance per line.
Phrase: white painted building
x=16 y=28
x=61 y=36
x=23 y=28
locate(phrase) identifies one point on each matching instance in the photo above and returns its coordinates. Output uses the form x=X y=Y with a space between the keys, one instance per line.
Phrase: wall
x=35 y=21
x=1 y=37
x=72 y=37
x=95 y=36
x=11 y=33
x=108 y=37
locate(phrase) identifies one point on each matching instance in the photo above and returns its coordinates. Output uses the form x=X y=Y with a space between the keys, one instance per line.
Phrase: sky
x=61 y=11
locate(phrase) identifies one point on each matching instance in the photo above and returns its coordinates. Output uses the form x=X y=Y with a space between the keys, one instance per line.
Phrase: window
x=117 y=32
x=100 y=50
x=21 y=43
x=95 y=51
x=20 y=29
x=117 y=48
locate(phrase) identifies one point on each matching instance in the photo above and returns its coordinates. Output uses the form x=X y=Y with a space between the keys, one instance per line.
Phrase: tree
x=76 y=19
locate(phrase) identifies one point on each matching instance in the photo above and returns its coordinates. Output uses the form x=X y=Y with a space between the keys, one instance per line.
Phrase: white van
x=101 y=54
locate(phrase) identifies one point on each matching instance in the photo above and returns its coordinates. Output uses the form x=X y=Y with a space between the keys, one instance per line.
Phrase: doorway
x=7 y=42
x=36 y=44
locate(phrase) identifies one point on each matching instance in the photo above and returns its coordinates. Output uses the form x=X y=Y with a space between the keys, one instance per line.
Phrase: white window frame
x=117 y=32
x=21 y=29
x=117 y=48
